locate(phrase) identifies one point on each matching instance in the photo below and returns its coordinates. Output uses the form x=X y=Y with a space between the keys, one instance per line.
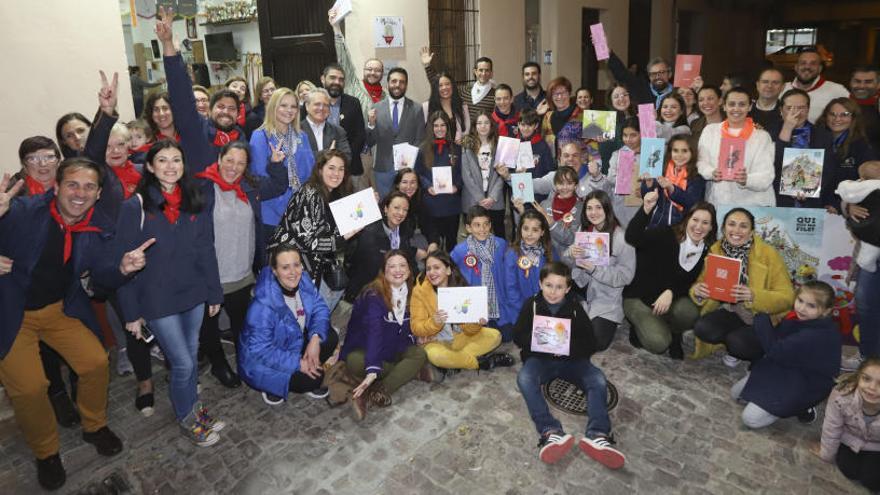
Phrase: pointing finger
x=144 y=246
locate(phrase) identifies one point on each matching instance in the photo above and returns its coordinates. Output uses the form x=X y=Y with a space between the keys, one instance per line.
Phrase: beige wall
x=55 y=48
x=662 y=30
x=503 y=38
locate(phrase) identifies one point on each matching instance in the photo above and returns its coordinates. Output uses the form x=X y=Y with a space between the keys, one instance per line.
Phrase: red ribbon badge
x=470 y=261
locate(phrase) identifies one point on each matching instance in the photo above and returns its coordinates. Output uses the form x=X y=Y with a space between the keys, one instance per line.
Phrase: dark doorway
x=691 y=32
x=639 y=33
x=589 y=64
x=295 y=38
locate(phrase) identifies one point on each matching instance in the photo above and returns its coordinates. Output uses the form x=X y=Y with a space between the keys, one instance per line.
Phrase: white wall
x=53 y=51
x=503 y=39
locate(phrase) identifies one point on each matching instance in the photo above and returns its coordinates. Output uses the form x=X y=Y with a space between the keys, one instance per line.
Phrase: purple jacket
x=374 y=329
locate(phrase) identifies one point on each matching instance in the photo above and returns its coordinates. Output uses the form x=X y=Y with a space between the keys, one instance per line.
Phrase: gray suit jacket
x=411 y=129
x=332 y=132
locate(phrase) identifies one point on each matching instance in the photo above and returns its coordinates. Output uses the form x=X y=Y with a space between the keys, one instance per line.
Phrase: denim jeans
x=331 y=297
x=868 y=308
x=538 y=370
x=384 y=181
x=178 y=336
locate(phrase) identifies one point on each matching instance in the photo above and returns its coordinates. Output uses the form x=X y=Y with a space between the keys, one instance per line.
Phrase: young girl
x=441 y=210
x=671 y=118
x=563 y=208
x=603 y=285
x=481 y=184
x=531 y=249
x=625 y=205
x=851 y=433
x=680 y=187
x=450 y=346
x=801 y=359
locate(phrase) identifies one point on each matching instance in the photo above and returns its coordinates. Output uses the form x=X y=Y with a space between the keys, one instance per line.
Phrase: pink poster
x=599 y=41
x=551 y=335
x=687 y=67
x=731 y=157
x=626 y=163
x=647 y=120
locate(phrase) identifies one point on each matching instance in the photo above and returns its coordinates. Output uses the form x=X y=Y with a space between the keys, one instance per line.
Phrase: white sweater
x=760 y=173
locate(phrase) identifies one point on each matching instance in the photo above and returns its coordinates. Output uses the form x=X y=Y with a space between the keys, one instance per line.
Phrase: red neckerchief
x=536 y=137
x=561 y=206
x=864 y=102
x=223 y=137
x=128 y=176
x=678 y=179
x=374 y=90
x=791 y=315
x=242 y=114
x=33 y=185
x=440 y=144
x=747 y=129
x=172 y=204
x=505 y=124
x=69 y=230
x=819 y=82
x=161 y=137
x=142 y=148
x=212 y=173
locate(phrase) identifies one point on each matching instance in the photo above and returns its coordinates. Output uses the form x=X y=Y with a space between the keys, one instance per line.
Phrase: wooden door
x=295 y=39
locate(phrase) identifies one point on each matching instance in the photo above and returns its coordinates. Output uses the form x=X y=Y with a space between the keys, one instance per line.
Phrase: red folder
x=722 y=273
x=731 y=157
x=687 y=68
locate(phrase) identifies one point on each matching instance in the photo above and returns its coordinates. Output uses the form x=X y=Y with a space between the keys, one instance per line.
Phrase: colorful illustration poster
x=647 y=120
x=599 y=124
x=507 y=151
x=835 y=262
x=441 y=177
x=731 y=157
x=551 y=335
x=801 y=172
x=525 y=157
x=388 y=32
x=687 y=68
x=463 y=304
x=651 y=157
x=355 y=211
x=722 y=273
x=596 y=246
x=626 y=169
x=600 y=43
x=523 y=187
x=405 y=155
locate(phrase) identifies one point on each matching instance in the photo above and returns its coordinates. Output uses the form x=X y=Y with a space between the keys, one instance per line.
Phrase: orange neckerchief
x=677 y=179
x=747 y=129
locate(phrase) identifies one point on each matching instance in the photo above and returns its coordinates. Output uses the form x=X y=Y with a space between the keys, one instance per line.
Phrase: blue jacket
x=274 y=207
x=23 y=231
x=506 y=315
x=196 y=132
x=801 y=360
x=271 y=342
x=374 y=329
x=666 y=214
x=518 y=286
x=441 y=205
x=181 y=269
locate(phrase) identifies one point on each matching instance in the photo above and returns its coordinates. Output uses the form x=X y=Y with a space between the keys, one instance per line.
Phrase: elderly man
x=323 y=134
x=641 y=91
x=808 y=77
x=765 y=110
x=864 y=85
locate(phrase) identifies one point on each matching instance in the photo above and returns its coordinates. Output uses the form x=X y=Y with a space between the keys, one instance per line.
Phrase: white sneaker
x=730 y=361
x=156 y=352
x=123 y=364
x=851 y=363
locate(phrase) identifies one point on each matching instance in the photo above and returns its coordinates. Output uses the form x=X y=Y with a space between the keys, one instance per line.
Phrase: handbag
x=334 y=276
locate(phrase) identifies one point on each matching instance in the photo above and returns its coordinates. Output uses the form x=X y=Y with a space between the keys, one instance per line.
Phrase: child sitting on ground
x=549 y=351
x=801 y=359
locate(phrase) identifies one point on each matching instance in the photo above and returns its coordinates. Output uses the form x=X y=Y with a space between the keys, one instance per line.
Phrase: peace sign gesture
x=6 y=196
x=164 y=21
x=108 y=93
x=278 y=155
x=133 y=261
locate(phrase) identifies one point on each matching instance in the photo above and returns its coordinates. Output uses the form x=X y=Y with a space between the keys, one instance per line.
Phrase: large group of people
x=209 y=203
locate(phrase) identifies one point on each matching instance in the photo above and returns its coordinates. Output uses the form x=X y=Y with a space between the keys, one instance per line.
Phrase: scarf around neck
x=479 y=91
x=128 y=176
x=374 y=90
x=689 y=253
x=34 y=186
x=212 y=173
x=741 y=253
x=69 y=230
x=485 y=253
x=561 y=206
x=747 y=129
x=678 y=179
x=172 y=204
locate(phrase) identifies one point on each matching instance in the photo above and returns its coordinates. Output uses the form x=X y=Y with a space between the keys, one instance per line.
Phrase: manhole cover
x=568 y=398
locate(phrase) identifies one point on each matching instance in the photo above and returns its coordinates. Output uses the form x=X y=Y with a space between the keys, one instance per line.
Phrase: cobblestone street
x=470 y=434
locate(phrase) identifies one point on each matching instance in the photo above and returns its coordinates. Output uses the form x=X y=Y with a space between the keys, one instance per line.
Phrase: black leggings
x=604 y=331
x=441 y=228
x=137 y=350
x=863 y=467
x=725 y=327
x=300 y=382
x=236 y=306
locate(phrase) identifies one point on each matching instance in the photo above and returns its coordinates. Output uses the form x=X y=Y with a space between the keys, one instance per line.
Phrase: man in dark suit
x=345 y=111
x=322 y=134
x=396 y=119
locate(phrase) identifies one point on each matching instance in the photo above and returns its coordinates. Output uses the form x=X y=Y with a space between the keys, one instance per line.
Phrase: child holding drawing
x=531 y=249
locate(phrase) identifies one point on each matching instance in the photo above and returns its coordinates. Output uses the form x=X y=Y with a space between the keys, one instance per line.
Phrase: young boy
x=141 y=139
x=480 y=258
x=540 y=367
x=529 y=121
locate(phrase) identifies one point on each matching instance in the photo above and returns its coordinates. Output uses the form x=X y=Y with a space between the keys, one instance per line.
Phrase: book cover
x=687 y=68
x=722 y=273
x=647 y=120
x=600 y=43
x=626 y=169
x=523 y=187
x=507 y=151
x=599 y=124
x=355 y=211
x=651 y=157
x=442 y=180
x=405 y=155
x=463 y=304
x=801 y=172
x=731 y=157
x=525 y=158
x=551 y=335
x=596 y=246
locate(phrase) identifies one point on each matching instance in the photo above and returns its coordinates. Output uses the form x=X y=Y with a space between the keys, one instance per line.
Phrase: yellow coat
x=423 y=305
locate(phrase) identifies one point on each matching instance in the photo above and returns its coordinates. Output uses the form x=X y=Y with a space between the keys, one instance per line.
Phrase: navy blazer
x=351 y=118
x=23 y=231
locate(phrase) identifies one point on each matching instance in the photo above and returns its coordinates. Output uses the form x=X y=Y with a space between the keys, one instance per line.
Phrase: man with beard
x=641 y=91
x=201 y=138
x=808 y=77
x=864 y=85
x=533 y=95
x=367 y=90
x=765 y=110
x=345 y=111
x=479 y=96
x=394 y=120
x=323 y=134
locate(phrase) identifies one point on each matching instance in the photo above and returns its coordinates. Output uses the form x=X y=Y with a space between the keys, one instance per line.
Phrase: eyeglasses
x=560 y=94
x=841 y=115
x=35 y=159
x=658 y=74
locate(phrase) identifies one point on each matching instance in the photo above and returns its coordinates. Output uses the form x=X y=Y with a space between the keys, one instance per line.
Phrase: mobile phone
x=146 y=333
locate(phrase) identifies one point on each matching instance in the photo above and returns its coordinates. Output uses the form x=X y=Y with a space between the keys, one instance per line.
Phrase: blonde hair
x=270 y=124
x=121 y=129
x=306 y=83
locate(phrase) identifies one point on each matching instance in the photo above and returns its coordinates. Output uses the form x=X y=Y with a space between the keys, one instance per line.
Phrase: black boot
x=50 y=472
x=223 y=372
x=675 y=350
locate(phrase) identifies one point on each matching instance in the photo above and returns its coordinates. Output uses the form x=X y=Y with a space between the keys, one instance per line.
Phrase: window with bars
x=454 y=36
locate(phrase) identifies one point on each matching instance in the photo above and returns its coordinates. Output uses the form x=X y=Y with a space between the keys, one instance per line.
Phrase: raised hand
x=278 y=156
x=649 y=201
x=135 y=260
x=371 y=117
x=107 y=95
x=331 y=16
x=426 y=54
x=164 y=21
x=7 y=195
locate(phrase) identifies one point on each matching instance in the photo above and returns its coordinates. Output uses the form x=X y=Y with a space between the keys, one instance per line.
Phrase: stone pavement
x=470 y=434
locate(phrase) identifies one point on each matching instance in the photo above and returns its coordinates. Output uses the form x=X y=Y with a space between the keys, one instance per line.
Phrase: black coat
x=351 y=118
x=847 y=168
x=583 y=341
x=365 y=253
